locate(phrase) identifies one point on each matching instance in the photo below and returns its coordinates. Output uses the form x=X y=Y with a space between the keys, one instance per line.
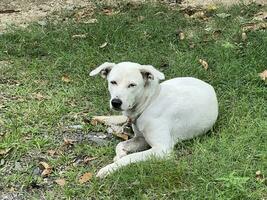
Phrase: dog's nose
x=116 y=103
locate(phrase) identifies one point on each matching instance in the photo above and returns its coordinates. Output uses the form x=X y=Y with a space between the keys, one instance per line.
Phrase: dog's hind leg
x=138 y=143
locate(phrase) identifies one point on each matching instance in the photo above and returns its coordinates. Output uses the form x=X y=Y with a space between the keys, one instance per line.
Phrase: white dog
x=161 y=114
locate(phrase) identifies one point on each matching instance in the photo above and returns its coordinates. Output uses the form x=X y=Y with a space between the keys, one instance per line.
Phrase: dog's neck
x=150 y=93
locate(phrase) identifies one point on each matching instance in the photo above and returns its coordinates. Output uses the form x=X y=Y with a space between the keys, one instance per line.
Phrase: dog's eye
x=113 y=82
x=131 y=85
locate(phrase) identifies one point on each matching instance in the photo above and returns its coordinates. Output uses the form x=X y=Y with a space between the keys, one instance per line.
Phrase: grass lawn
x=37 y=106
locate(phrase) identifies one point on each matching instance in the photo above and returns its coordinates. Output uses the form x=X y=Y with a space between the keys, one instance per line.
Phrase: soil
x=21 y=12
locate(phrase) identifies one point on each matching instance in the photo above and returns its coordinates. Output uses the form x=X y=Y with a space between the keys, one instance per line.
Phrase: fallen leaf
x=66 y=78
x=109 y=120
x=223 y=15
x=110 y=12
x=69 y=141
x=90 y=21
x=121 y=135
x=140 y=18
x=263 y=75
x=88 y=159
x=79 y=36
x=85 y=177
x=103 y=45
x=181 y=36
x=45 y=165
x=244 y=36
x=47 y=169
x=38 y=96
x=204 y=64
x=51 y=152
x=198 y=15
x=60 y=182
x=4 y=151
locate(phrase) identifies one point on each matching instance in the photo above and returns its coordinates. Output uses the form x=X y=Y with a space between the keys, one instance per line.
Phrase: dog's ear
x=150 y=73
x=103 y=69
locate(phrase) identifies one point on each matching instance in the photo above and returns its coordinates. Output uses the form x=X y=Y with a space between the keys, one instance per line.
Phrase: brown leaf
x=46 y=172
x=103 y=45
x=199 y=15
x=90 y=21
x=204 y=64
x=85 y=177
x=110 y=12
x=60 y=182
x=88 y=159
x=181 y=36
x=45 y=165
x=65 y=78
x=69 y=141
x=263 y=75
x=47 y=169
x=38 y=96
x=51 y=152
x=121 y=135
x=4 y=151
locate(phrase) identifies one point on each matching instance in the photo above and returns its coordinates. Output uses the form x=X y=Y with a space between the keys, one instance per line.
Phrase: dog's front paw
x=103 y=172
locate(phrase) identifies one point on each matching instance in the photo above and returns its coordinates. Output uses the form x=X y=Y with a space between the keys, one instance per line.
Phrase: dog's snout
x=116 y=103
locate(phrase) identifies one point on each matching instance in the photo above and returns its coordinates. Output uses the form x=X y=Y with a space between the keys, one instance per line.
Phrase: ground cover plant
x=47 y=99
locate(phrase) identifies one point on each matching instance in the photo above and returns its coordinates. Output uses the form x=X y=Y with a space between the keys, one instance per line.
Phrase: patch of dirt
x=196 y=3
x=21 y=12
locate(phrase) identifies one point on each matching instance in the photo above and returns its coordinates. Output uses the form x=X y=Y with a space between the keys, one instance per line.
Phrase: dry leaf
x=47 y=169
x=45 y=165
x=263 y=75
x=4 y=151
x=90 y=21
x=60 y=182
x=140 y=18
x=103 y=45
x=109 y=120
x=198 y=15
x=65 y=78
x=204 y=64
x=51 y=152
x=85 y=177
x=88 y=159
x=79 y=36
x=181 y=36
x=110 y=12
x=121 y=135
x=69 y=141
x=244 y=36
x=38 y=96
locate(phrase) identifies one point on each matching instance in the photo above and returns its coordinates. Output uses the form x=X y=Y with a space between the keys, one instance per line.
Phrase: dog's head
x=127 y=82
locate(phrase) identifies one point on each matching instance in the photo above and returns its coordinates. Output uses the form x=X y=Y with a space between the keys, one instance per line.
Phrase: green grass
x=219 y=165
